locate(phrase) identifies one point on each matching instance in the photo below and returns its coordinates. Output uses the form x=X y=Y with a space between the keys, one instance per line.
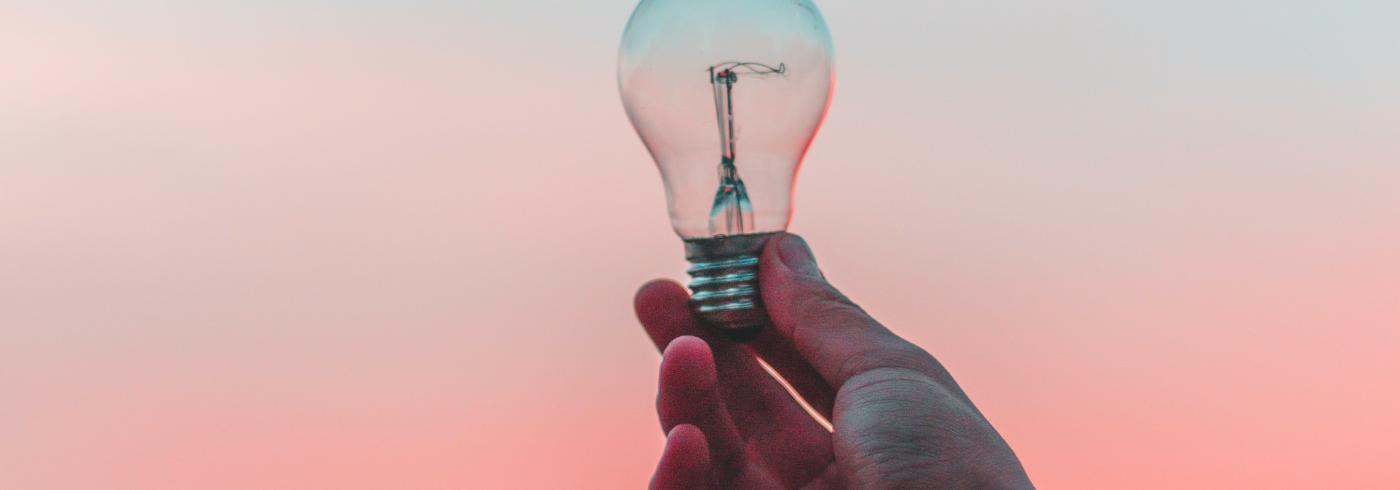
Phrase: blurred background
x=307 y=244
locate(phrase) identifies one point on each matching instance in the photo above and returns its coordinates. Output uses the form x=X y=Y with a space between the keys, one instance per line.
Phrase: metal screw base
x=724 y=280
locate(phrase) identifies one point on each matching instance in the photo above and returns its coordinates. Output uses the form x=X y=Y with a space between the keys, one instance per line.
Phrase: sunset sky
x=303 y=244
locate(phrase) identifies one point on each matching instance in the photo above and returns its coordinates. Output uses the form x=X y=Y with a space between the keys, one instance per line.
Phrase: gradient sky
x=302 y=244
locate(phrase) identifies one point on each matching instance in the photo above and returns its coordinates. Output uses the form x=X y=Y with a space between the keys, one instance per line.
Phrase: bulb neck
x=724 y=283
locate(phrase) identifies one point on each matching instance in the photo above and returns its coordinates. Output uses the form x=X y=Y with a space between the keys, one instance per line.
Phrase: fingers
x=664 y=312
x=837 y=338
x=685 y=463
x=756 y=402
x=689 y=395
x=768 y=420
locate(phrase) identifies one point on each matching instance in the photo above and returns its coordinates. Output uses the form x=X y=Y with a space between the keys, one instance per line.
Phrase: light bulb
x=727 y=96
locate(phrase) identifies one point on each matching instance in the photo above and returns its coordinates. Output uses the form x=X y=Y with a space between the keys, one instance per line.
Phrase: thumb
x=830 y=331
x=800 y=293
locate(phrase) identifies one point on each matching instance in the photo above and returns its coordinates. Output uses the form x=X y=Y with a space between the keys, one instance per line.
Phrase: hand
x=899 y=419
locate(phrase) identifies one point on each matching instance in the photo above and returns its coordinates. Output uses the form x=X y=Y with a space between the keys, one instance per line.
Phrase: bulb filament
x=732 y=213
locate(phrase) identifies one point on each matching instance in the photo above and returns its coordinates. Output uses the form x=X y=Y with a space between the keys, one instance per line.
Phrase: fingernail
x=797 y=256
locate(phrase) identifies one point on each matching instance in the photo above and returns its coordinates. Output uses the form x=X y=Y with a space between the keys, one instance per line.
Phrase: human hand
x=899 y=419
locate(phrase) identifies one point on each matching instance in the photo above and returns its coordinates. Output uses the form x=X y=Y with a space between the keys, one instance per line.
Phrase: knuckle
x=890 y=355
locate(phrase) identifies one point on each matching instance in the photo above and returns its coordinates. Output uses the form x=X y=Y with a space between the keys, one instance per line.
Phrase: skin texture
x=900 y=421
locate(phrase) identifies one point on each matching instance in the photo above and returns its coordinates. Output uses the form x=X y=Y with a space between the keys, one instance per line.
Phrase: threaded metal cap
x=724 y=283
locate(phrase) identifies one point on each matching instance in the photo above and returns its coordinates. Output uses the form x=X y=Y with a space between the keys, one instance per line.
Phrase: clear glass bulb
x=727 y=96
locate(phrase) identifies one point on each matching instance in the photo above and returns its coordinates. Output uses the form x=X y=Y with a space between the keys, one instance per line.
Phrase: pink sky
x=300 y=246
